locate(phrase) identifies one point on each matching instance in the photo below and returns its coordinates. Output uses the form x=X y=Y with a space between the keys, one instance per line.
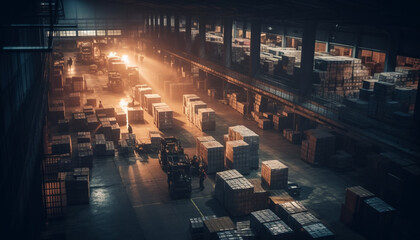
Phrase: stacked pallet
x=278 y=197
x=91 y=102
x=234 y=98
x=57 y=79
x=85 y=155
x=121 y=116
x=64 y=163
x=100 y=145
x=92 y=122
x=292 y=136
x=238 y=196
x=241 y=107
x=285 y=210
x=78 y=83
x=162 y=116
x=135 y=114
x=258 y=218
x=299 y=220
x=220 y=179
x=199 y=141
x=260 y=103
x=274 y=174
x=197 y=226
x=115 y=133
x=155 y=140
x=277 y=230
x=212 y=154
x=281 y=122
x=193 y=109
x=237 y=156
x=186 y=98
x=265 y=123
x=319 y=147
x=260 y=198
x=229 y=235
x=351 y=209
x=178 y=89
x=212 y=93
x=77 y=186
x=206 y=120
x=127 y=144
x=141 y=93
x=149 y=99
x=241 y=132
x=317 y=231
x=214 y=225
x=61 y=144
x=245 y=231
x=105 y=112
x=54 y=196
x=83 y=137
x=56 y=111
x=74 y=99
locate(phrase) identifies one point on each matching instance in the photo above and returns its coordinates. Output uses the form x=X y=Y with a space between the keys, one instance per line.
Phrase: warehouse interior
x=177 y=119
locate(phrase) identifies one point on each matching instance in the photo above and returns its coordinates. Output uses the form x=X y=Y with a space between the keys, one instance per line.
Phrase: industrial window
x=55 y=33
x=86 y=33
x=320 y=47
x=374 y=61
x=100 y=32
x=340 y=50
x=67 y=33
x=114 y=32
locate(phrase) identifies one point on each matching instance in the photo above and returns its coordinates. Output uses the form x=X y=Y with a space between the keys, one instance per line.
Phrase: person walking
x=203 y=176
x=69 y=63
x=100 y=104
x=130 y=129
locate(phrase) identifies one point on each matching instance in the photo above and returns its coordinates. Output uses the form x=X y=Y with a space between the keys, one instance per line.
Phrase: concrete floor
x=129 y=196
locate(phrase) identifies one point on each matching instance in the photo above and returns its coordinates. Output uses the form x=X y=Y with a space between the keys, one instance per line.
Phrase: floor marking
x=147 y=204
x=202 y=215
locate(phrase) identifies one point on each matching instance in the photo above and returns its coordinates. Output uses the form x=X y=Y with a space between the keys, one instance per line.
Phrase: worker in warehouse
x=203 y=176
x=69 y=63
x=130 y=129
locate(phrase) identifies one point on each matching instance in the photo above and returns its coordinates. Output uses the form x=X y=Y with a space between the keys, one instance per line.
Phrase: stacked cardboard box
x=241 y=132
x=91 y=102
x=77 y=186
x=260 y=103
x=317 y=231
x=193 y=109
x=220 y=179
x=319 y=148
x=265 y=123
x=197 y=226
x=299 y=220
x=260 y=195
x=229 y=235
x=106 y=129
x=149 y=99
x=85 y=155
x=115 y=133
x=199 y=141
x=92 y=122
x=212 y=155
x=61 y=144
x=155 y=139
x=278 y=197
x=238 y=196
x=135 y=114
x=258 y=218
x=163 y=117
x=274 y=174
x=292 y=136
x=142 y=92
x=281 y=121
x=111 y=120
x=78 y=83
x=277 y=230
x=206 y=119
x=64 y=163
x=245 y=231
x=105 y=112
x=214 y=225
x=241 y=107
x=186 y=98
x=56 y=111
x=237 y=156
x=83 y=137
x=285 y=210
x=74 y=99
x=100 y=144
x=377 y=218
x=351 y=209
x=121 y=116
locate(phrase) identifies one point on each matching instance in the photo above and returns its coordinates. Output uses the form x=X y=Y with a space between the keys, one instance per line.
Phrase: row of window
x=85 y=33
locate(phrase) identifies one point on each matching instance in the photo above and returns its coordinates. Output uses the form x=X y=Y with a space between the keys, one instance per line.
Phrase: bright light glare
x=124 y=58
x=112 y=54
x=123 y=104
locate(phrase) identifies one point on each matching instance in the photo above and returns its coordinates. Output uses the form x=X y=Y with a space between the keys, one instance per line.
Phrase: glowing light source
x=112 y=54
x=124 y=104
x=124 y=58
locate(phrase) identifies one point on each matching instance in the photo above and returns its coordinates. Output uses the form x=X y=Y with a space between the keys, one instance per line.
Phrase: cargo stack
x=199 y=141
x=220 y=181
x=241 y=132
x=186 y=99
x=78 y=83
x=193 y=110
x=100 y=145
x=85 y=155
x=135 y=114
x=105 y=112
x=245 y=231
x=77 y=186
x=121 y=116
x=178 y=89
x=281 y=122
x=260 y=103
x=206 y=119
x=319 y=147
x=212 y=155
x=149 y=99
x=197 y=226
x=292 y=136
x=237 y=156
x=229 y=235
x=258 y=218
x=317 y=231
x=56 y=111
x=162 y=116
x=142 y=92
x=260 y=198
x=155 y=140
x=285 y=210
x=74 y=99
x=265 y=123
x=127 y=144
x=277 y=230
x=238 y=196
x=214 y=225
x=274 y=174
x=278 y=197
x=351 y=209
x=61 y=145
x=92 y=122
x=298 y=220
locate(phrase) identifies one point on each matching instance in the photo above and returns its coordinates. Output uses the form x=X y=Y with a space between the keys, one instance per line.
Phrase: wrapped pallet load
x=237 y=156
x=274 y=174
x=238 y=196
x=206 y=119
x=241 y=132
x=212 y=155
x=149 y=99
x=220 y=179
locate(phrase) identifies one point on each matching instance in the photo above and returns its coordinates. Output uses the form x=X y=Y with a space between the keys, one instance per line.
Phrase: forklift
x=177 y=166
x=115 y=82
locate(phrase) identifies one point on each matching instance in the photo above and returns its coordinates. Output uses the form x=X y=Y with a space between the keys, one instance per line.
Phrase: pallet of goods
x=260 y=103
x=237 y=156
x=186 y=98
x=74 y=99
x=54 y=197
x=281 y=122
x=142 y=92
x=285 y=210
x=377 y=218
x=214 y=225
x=229 y=235
x=100 y=144
x=149 y=99
x=155 y=139
x=319 y=148
x=317 y=231
x=121 y=116
x=298 y=220
x=220 y=179
x=245 y=231
x=163 y=117
x=105 y=112
x=238 y=196
x=83 y=137
x=277 y=230
x=274 y=174
x=351 y=209
x=206 y=119
x=197 y=226
x=292 y=136
x=258 y=218
x=241 y=132
x=260 y=195
x=92 y=122
x=193 y=109
x=199 y=141
x=61 y=144
x=212 y=154
x=265 y=123
x=84 y=155
x=77 y=186
x=135 y=114
x=278 y=197
x=78 y=83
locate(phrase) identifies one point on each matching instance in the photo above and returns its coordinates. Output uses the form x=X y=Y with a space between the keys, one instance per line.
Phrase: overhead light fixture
x=270 y=28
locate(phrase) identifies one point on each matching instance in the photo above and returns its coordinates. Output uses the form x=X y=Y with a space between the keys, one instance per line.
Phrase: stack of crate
x=155 y=140
x=298 y=220
x=238 y=196
x=106 y=129
x=193 y=109
x=281 y=122
x=212 y=154
x=367 y=89
x=412 y=74
x=206 y=119
x=115 y=133
x=351 y=209
x=77 y=186
x=61 y=144
x=88 y=110
x=135 y=114
x=241 y=107
x=136 y=91
x=142 y=92
x=229 y=235
x=65 y=163
x=278 y=197
x=260 y=103
x=57 y=79
x=100 y=144
x=317 y=231
x=258 y=218
x=53 y=188
x=127 y=144
x=199 y=141
x=319 y=147
x=85 y=155
x=74 y=99
x=241 y=132
x=78 y=83
x=121 y=116
x=149 y=99
x=237 y=156
x=178 y=89
x=265 y=123
x=233 y=99
x=105 y=112
x=260 y=195
x=377 y=218
x=79 y=121
x=292 y=136
x=213 y=226
x=163 y=116
x=274 y=174
x=186 y=99
x=277 y=230
x=197 y=226
x=92 y=122
x=285 y=210
x=220 y=179
x=245 y=231
x=56 y=111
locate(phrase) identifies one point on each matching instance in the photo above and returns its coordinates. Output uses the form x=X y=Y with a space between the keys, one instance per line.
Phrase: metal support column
x=168 y=35
x=227 y=41
x=255 y=48
x=202 y=37
x=391 y=52
x=176 y=32
x=306 y=66
x=188 y=33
